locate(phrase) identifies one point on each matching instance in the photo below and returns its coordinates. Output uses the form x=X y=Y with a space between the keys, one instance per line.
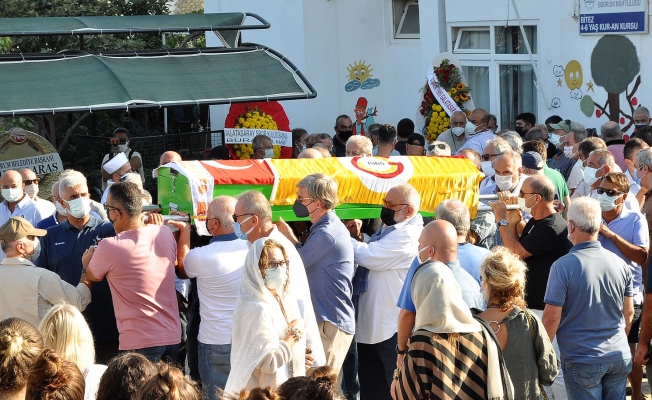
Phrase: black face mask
x=300 y=210
x=387 y=216
x=519 y=130
x=345 y=135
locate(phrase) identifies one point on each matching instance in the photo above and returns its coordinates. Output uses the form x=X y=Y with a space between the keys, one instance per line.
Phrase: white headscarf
x=259 y=325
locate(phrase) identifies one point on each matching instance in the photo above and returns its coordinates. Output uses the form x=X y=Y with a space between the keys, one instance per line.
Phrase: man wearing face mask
x=218 y=269
x=477 y=131
x=625 y=233
x=299 y=137
x=455 y=136
x=28 y=292
x=383 y=263
x=327 y=257
x=641 y=118
x=437 y=243
x=612 y=135
x=494 y=148
x=343 y=131
x=60 y=213
x=631 y=149
x=563 y=160
x=134 y=157
x=597 y=163
x=31 y=189
x=117 y=167
x=263 y=147
x=62 y=250
x=252 y=221
x=524 y=122
x=571 y=142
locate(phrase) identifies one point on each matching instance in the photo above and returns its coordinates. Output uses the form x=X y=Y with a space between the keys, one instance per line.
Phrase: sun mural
x=359 y=76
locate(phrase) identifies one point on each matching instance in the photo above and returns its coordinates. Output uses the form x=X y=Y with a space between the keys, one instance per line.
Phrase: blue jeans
x=214 y=368
x=167 y=353
x=597 y=381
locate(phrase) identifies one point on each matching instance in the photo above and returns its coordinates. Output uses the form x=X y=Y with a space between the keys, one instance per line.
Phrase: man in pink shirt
x=139 y=264
x=613 y=137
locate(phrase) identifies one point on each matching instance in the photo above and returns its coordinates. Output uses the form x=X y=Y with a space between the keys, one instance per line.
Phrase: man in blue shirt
x=625 y=233
x=61 y=252
x=469 y=256
x=437 y=243
x=589 y=307
x=327 y=257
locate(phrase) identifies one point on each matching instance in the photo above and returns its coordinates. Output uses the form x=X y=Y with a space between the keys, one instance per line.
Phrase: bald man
x=437 y=243
x=310 y=153
x=323 y=149
x=31 y=190
x=168 y=157
x=477 y=131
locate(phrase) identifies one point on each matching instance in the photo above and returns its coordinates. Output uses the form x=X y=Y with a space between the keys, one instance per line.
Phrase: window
x=473 y=41
x=406 y=19
x=497 y=67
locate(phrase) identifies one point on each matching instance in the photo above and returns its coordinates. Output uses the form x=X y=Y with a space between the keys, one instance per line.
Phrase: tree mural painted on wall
x=614 y=65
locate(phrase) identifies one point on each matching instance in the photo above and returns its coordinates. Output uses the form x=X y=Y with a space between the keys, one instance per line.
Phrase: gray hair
x=543 y=186
x=642 y=110
x=604 y=158
x=514 y=140
x=221 y=208
x=586 y=214
x=536 y=132
x=501 y=145
x=644 y=157
x=71 y=179
x=257 y=142
x=9 y=247
x=363 y=142
x=457 y=213
x=321 y=187
x=610 y=131
x=254 y=202
x=133 y=177
x=578 y=134
x=409 y=195
x=55 y=185
x=509 y=153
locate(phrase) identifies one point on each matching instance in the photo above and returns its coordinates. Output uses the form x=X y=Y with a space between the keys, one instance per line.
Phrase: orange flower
x=460 y=86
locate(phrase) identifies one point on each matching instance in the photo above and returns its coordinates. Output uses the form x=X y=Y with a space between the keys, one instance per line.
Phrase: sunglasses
x=440 y=146
x=28 y=182
x=108 y=208
x=236 y=216
x=609 y=192
x=486 y=157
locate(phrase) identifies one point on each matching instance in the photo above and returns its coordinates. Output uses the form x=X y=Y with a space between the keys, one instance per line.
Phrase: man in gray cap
x=27 y=291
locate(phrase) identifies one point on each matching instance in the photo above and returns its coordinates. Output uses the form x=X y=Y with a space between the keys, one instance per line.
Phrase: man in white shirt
x=383 y=264
x=218 y=269
x=492 y=150
x=477 y=131
x=27 y=291
x=117 y=167
x=571 y=142
x=455 y=137
x=31 y=189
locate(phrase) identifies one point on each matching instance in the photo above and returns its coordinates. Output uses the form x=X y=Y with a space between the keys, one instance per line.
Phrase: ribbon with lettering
x=444 y=99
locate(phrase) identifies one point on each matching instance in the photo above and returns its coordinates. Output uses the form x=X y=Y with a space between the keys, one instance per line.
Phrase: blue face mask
x=637 y=177
x=238 y=231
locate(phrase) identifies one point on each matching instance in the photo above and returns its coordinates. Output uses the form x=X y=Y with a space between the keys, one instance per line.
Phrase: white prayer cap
x=115 y=163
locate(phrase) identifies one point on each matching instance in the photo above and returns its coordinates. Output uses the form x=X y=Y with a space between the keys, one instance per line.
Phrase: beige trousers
x=336 y=344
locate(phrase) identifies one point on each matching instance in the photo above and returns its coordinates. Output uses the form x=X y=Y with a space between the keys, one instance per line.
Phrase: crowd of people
x=540 y=296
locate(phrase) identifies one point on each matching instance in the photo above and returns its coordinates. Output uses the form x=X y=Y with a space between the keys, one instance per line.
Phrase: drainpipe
x=537 y=82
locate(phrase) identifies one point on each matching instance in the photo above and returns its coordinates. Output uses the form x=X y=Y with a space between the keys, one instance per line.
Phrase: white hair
x=586 y=214
x=509 y=153
x=605 y=157
x=134 y=177
x=409 y=195
x=500 y=145
x=514 y=140
x=71 y=179
x=363 y=142
x=644 y=157
x=438 y=149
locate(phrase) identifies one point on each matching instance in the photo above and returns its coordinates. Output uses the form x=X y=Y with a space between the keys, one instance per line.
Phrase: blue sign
x=613 y=17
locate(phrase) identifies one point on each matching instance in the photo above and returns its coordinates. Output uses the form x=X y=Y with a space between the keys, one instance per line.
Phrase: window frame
x=458 y=39
x=396 y=29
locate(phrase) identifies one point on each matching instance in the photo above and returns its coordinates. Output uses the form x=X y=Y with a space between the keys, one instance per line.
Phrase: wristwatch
x=503 y=222
x=401 y=352
x=395 y=374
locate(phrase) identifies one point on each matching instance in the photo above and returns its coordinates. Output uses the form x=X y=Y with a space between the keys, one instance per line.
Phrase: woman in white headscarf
x=450 y=355
x=268 y=342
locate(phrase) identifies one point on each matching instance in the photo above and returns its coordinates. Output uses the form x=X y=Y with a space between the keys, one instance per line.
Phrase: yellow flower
x=456 y=98
x=453 y=91
x=438 y=108
x=442 y=113
x=238 y=153
x=248 y=115
x=246 y=124
x=460 y=86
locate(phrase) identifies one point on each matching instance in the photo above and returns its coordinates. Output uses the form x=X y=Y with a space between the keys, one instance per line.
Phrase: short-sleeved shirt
x=470 y=288
x=632 y=227
x=557 y=180
x=400 y=147
x=547 y=240
x=218 y=269
x=471 y=257
x=61 y=252
x=590 y=284
x=139 y=265
x=327 y=257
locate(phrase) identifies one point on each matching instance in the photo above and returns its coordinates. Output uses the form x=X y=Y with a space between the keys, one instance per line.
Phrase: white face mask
x=37 y=250
x=589 y=175
x=60 y=209
x=568 y=151
x=269 y=153
x=31 y=190
x=123 y=148
x=607 y=203
x=457 y=131
x=522 y=206
x=13 y=194
x=470 y=128
x=487 y=168
x=276 y=278
x=419 y=255
x=554 y=139
x=79 y=207
x=504 y=182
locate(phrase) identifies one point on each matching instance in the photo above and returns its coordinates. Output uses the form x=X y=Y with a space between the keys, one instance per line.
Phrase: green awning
x=226 y=25
x=41 y=83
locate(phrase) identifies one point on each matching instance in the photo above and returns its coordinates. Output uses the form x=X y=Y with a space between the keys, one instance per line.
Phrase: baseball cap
x=416 y=139
x=566 y=125
x=17 y=228
x=532 y=160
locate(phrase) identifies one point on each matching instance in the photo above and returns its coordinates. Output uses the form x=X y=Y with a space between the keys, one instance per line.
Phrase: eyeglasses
x=521 y=193
x=235 y=216
x=108 y=208
x=486 y=157
x=273 y=265
x=28 y=182
x=609 y=192
x=440 y=146
x=302 y=199
x=390 y=205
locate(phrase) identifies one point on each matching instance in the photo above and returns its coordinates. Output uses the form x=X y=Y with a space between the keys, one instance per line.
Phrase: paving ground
x=646 y=390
